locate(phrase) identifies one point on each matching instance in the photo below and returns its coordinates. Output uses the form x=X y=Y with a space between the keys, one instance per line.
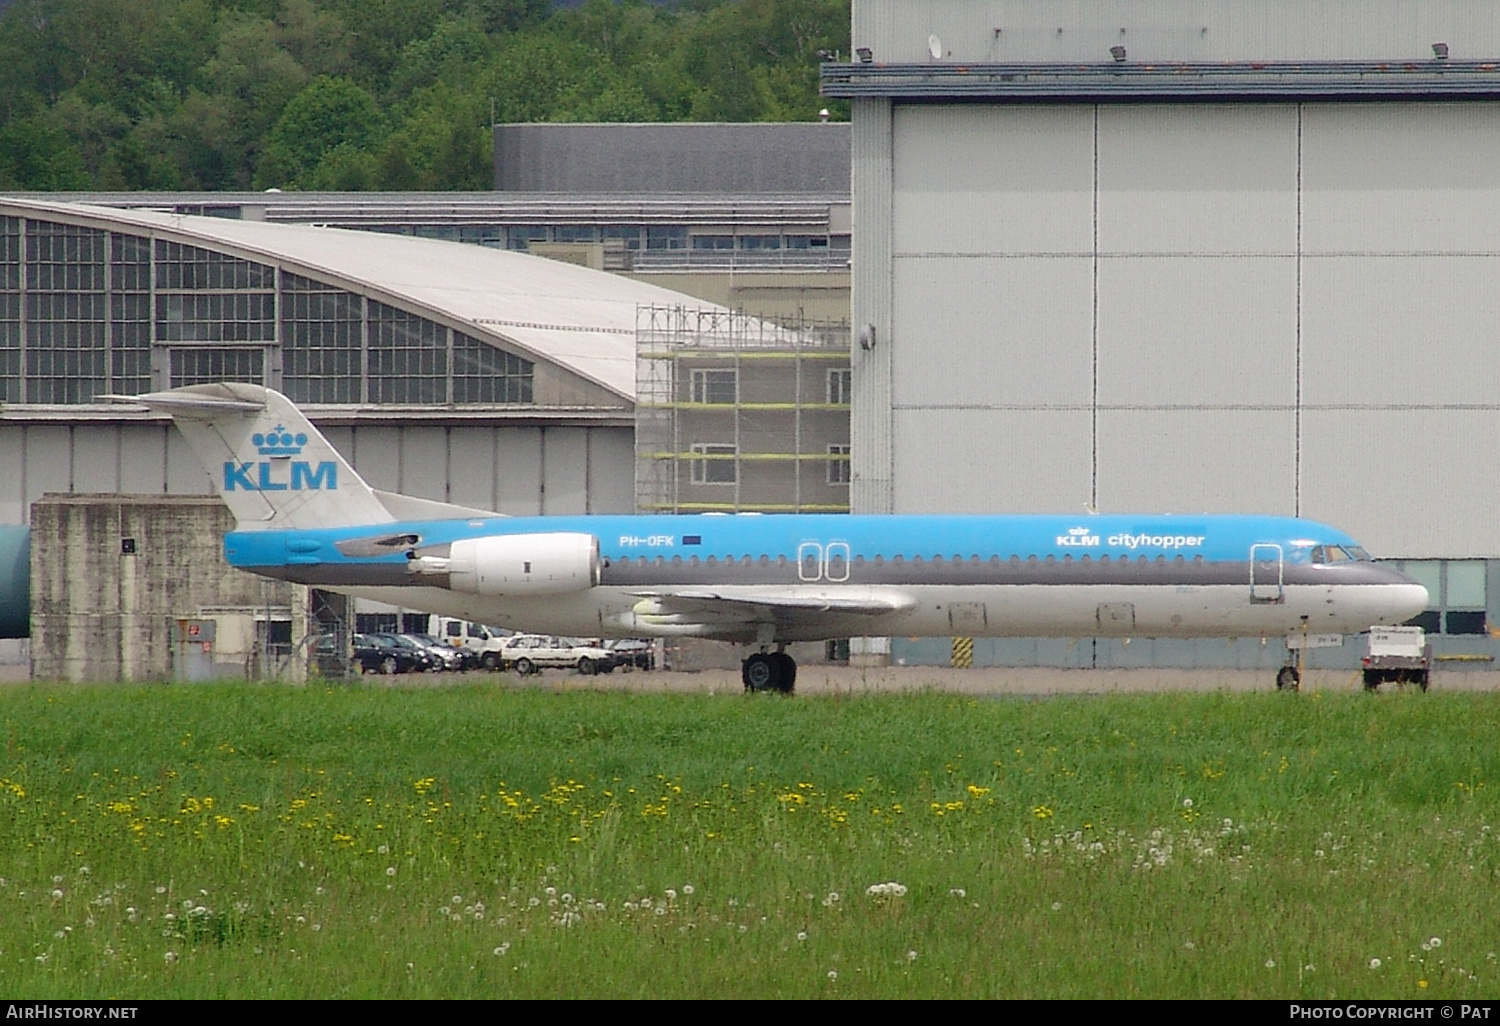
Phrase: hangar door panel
x=980 y=179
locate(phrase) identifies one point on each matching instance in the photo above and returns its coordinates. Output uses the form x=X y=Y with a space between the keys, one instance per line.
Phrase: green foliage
x=36 y=155
x=477 y=841
x=323 y=134
x=229 y=94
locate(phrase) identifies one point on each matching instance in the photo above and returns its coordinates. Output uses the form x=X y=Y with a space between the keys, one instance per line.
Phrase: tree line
x=373 y=94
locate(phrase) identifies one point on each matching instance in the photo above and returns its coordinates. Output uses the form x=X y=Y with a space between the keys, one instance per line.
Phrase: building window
x=667 y=237
x=715 y=464
x=839 y=380
x=322 y=331
x=760 y=242
x=715 y=387
x=408 y=357
x=626 y=235
x=65 y=313
x=484 y=374
x=713 y=241
x=205 y=366
x=575 y=233
x=838 y=464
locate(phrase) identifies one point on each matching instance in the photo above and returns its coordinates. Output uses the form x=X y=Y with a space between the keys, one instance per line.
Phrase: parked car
x=634 y=653
x=386 y=653
x=445 y=657
x=528 y=653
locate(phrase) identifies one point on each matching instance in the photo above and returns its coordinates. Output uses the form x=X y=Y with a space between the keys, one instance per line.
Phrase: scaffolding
x=739 y=414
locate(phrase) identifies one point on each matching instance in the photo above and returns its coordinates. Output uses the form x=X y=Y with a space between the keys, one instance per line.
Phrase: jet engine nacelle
x=524 y=564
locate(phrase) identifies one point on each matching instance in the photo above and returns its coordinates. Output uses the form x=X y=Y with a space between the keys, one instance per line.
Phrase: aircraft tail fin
x=271 y=466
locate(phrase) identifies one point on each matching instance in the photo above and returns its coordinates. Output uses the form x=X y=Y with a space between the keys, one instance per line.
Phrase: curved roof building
x=454 y=372
x=313 y=294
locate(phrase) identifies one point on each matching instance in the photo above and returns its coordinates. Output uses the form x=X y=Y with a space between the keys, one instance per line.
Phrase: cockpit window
x=1329 y=555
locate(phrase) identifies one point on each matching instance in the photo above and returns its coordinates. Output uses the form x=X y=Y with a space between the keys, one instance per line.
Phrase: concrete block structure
x=136 y=588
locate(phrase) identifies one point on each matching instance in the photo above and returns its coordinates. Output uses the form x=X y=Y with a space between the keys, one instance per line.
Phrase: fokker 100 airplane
x=303 y=515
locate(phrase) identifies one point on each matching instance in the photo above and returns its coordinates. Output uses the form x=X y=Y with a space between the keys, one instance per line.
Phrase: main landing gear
x=769 y=671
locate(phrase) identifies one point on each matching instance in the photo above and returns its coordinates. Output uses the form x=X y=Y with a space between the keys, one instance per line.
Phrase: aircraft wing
x=871 y=604
x=732 y=612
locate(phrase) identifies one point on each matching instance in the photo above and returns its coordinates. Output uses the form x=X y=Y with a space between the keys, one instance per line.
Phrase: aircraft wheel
x=788 y=673
x=586 y=667
x=1287 y=679
x=761 y=672
x=525 y=667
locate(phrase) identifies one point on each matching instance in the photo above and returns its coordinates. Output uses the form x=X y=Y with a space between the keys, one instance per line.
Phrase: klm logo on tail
x=263 y=476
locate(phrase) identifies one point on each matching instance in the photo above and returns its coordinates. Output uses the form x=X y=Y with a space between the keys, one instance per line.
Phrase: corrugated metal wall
x=514 y=470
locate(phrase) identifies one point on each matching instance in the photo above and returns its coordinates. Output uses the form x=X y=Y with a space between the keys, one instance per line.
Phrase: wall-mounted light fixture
x=866 y=55
x=1440 y=51
x=1117 y=52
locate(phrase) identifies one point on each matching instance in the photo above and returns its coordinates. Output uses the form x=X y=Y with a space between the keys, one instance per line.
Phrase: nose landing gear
x=769 y=671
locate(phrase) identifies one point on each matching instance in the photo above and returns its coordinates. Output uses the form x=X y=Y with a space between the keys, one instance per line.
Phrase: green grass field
x=476 y=841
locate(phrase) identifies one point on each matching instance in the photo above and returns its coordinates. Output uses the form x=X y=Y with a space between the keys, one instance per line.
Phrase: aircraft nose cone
x=1407 y=601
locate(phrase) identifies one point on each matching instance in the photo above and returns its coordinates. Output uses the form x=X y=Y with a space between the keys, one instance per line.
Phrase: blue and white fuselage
x=814 y=577
x=305 y=516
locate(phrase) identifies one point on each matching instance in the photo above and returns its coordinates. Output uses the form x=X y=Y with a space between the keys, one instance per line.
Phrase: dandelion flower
x=56 y=894
x=169 y=957
x=833 y=974
x=687 y=889
x=1270 y=963
x=1374 y=963
x=958 y=892
x=1427 y=945
x=457 y=899
x=911 y=956
x=502 y=949
x=390 y=870
x=802 y=935
x=1057 y=906
x=1436 y=942
x=1187 y=803
x=671 y=894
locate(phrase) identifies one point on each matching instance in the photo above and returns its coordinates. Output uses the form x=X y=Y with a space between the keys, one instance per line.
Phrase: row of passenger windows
x=766 y=560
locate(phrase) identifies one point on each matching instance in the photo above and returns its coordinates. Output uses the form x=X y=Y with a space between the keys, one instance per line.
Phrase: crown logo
x=279 y=442
x=1076 y=531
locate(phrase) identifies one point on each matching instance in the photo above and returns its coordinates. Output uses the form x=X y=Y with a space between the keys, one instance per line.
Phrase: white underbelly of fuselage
x=1083 y=610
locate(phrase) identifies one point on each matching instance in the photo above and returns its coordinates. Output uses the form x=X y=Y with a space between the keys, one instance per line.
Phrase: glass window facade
x=322 y=332
x=408 y=357
x=84 y=312
x=1456 y=594
x=484 y=374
